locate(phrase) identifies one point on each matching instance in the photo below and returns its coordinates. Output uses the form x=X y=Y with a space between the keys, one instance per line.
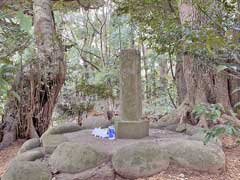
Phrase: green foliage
x=25 y=21
x=82 y=107
x=100 y=89
x=7 y=72
x=227 y=129
x=157 y=22
x=210 y=111
x=14 y=39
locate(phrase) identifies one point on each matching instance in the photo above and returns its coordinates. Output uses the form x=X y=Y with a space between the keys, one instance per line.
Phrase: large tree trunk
x=197 y=83
x=180 y=82
x=39 y=84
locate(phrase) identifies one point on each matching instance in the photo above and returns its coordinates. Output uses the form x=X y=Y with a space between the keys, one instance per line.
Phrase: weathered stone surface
x=31 y=155
x=30 y=144
x=191 y=130
x=188 y=128
x=50 y=142
x=132 y=129
x=65 y=128
x=164 y=124
x=140 y=160
x=102 y=172
x=195 y=155
x=171 y=127
x=130 y=85
x=27 y=170
x=131 y=125
x=168 y=124
x=95 y=122
x=72 y=157
x=110 y=147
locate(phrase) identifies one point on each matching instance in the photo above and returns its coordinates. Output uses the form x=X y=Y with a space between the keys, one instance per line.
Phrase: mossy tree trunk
x=39 y=83
x=197 y=83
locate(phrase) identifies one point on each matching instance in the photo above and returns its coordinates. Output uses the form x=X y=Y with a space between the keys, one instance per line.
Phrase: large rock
x=195 y=155
x=65 y=128
x=54 y=136
x=140 y=160
x=95 y=122
x=72 y=157
x=191 y=130
x=30 y=144
x=102 y=172
x=31 y=155
x=50 y=142
x=188 y=128
x=27 y=170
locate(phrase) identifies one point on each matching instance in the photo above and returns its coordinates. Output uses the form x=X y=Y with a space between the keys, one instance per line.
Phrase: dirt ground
x=7 y=154
x=173 y=173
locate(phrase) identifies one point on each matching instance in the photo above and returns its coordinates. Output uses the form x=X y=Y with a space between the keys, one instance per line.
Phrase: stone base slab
x=132 y=129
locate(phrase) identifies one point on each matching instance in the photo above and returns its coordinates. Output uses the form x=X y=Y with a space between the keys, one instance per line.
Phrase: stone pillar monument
x=130 y=125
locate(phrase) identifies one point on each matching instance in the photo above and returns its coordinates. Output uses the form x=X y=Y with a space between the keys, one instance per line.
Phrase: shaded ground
x=7 y=154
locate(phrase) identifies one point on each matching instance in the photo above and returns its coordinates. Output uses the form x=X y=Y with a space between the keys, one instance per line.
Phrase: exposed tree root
x=183 y=114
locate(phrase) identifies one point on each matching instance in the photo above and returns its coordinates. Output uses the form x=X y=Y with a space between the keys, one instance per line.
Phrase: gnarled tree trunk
x=197 y=83
x=39 y=84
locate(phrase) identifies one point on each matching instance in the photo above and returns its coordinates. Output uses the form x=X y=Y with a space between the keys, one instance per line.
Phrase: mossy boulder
x=50 y=142
x=27 y=170
x=95 y=122
x=195 y=155
x=31 y=155
x=140 y=160
x=30 y=144
x=101 y=172
x=62 y=129
x=188 y=129
x=72 y=157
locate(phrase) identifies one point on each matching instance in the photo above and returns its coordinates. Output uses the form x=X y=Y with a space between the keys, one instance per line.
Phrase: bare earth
x=7 y=154
x=173 y=173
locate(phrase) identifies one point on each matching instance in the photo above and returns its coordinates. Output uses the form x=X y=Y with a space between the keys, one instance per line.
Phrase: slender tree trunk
x=145 y=70
x=41 y=82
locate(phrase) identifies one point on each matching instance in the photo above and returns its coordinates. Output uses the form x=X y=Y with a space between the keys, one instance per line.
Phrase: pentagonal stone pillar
x=131 y=126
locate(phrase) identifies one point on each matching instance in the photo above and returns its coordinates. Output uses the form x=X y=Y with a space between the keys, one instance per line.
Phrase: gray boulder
x=140 y=160
x=195 y=155
x=54 y=136
x=72 y=157
x=95 y=122
x=65 y=128
x=171 y=127
x=27 y=170
x=102 y=172
x=191 y=130
x=30 y=144
x=31 y=155
x=50 y=142
x=188 y=129
x=166 y=120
